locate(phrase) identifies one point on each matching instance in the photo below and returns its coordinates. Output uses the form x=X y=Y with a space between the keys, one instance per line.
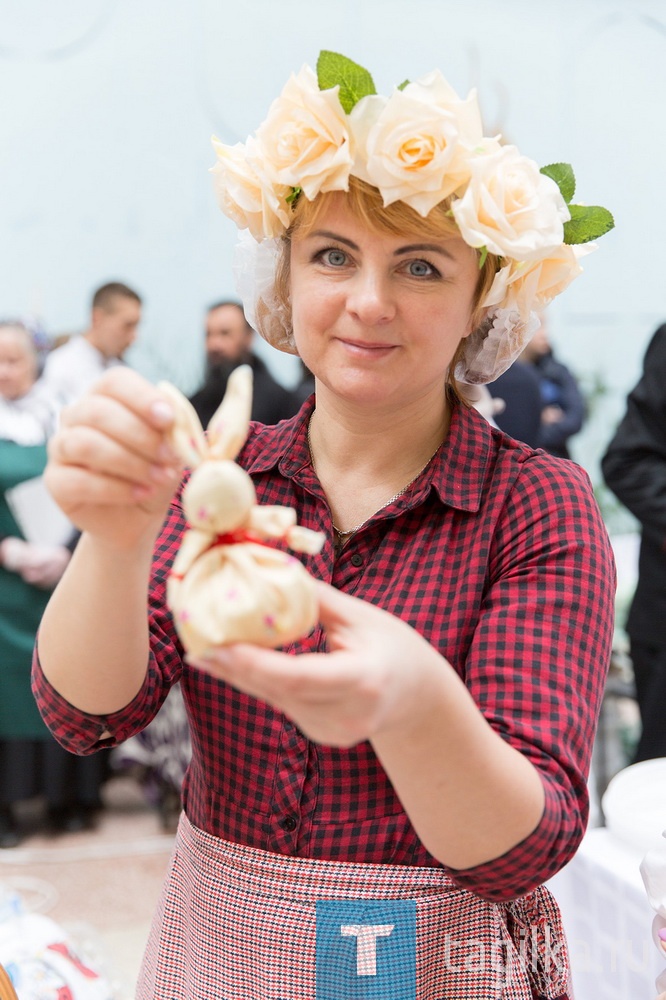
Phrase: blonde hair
x=273 y=313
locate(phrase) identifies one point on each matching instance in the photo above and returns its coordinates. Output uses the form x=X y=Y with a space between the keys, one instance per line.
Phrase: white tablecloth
x=608 y=921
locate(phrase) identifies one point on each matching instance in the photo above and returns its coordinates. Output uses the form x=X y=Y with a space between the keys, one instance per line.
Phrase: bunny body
x=228 y=582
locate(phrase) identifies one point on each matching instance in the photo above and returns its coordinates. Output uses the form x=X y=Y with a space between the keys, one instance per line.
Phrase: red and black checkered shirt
x=497 y=554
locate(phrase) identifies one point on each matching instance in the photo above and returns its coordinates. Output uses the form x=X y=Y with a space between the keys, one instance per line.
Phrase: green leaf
x=354 y=81
x=483 y=253
x=563 y=175
x=405 y=83
x=588 y=222
x=293 y=195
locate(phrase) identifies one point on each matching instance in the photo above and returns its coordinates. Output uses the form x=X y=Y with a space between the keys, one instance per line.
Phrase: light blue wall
x=108 y=107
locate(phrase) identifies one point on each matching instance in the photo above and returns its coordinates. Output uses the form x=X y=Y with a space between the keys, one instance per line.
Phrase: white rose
x=510 y=207
x=305 y=138
x=244 y=193
x=415 y=146
x=529 y=286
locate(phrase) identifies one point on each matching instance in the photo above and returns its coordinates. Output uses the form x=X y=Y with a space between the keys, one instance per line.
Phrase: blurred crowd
x=38 y=377
x=538 y=401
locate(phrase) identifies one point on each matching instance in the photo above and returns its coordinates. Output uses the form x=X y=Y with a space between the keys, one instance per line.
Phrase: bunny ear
x=186 y=436
x=228 y=427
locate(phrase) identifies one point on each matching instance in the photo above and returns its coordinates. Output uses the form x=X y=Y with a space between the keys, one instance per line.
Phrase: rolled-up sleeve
x=539 y=658
x=82 y=733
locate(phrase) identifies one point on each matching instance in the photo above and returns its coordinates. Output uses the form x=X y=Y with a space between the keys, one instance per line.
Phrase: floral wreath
x=420 y=145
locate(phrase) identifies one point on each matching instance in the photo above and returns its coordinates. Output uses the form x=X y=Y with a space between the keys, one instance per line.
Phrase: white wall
x=108 y=107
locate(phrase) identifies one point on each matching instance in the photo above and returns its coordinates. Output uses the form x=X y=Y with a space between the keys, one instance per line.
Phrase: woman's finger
x=338 y=609
x=322 y=693
x=276 y=676
x=74 y=487
x=138 y=395
x=112 y=418
x=90 y=448
x=350 y=622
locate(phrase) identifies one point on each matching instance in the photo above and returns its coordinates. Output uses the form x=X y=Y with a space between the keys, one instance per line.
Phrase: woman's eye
x=421 y=269
x=335 y=258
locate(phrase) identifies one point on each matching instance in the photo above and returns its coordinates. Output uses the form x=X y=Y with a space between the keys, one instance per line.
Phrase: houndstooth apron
x=237 y=923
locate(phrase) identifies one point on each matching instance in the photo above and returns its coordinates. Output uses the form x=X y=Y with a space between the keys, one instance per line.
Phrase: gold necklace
x=342 y=537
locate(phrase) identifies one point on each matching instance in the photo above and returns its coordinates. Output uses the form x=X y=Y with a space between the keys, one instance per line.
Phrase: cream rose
x=305 y=138
x=243 y=192
x=528 y=286
x=510 y=207
x=415 y=146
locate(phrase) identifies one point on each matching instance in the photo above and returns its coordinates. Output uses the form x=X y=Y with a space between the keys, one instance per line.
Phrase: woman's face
x=18 y=366
x=376 y=317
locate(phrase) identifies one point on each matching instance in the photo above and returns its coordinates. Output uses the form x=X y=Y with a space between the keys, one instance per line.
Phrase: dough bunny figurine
x=228 y=582
x=653 y=871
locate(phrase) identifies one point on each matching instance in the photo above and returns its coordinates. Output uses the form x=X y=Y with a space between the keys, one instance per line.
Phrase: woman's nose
x=371 y=298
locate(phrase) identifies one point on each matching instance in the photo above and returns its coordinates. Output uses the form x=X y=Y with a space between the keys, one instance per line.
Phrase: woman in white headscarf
x=31 y=762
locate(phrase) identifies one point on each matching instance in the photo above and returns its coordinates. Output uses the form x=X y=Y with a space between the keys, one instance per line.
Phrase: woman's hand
x=470 y=796
x=110 y=467
x=39 y=565
x=12 y=553
x=44 y=565
x=375 y=672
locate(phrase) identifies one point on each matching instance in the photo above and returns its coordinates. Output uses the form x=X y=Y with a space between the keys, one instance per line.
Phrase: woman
x=415 y=768
x=31 y=762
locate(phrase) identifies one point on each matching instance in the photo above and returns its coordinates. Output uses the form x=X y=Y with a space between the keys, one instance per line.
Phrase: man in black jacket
x=229 y=344
x=634 y=468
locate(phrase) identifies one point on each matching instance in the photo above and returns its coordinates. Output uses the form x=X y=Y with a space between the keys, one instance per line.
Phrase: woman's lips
x=364 y=348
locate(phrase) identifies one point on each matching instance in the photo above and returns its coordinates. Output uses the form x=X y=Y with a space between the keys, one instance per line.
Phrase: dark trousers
x=649 y=662
x=30 y=768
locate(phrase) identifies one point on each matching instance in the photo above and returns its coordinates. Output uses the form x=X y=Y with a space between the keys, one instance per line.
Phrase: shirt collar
x=457 y=474
x=284 y=445
x=460 y=473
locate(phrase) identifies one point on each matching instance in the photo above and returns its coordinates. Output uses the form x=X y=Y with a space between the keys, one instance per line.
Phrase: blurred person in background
x=563 y=405
x=28 y=408
x=519 y=390
x=229 y=339
x=634 y=468
x=31 y=762
x=115 y=316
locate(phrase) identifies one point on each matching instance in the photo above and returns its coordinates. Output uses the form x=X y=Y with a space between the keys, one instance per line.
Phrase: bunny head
x=219 y=495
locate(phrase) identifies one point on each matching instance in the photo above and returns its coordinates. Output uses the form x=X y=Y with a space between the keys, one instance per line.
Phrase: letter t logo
x=366 y=944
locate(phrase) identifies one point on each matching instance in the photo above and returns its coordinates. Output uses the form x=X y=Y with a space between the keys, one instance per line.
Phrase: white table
x=608 y=921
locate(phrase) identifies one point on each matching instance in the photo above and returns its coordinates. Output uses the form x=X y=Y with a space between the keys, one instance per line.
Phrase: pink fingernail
x=162 y=473
x=166 y=453
x=162 y=411
x=142 y=492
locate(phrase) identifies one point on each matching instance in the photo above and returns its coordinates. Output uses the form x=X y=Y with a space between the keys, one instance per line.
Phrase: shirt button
x=289 y=823
x=356 y=560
